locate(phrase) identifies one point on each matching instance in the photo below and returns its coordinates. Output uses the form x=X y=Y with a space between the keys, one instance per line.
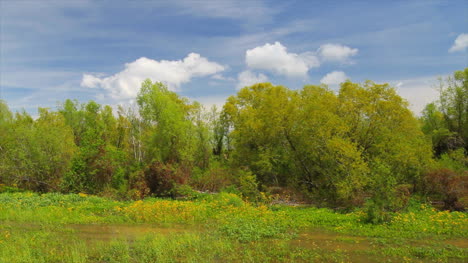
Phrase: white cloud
x=418 y=91
x=221 y=77
x=90 y=81
x=275 y=58
x=336 y=53
x=127 y=83
x=461 y=42
x=334 y=78
x=247 y=78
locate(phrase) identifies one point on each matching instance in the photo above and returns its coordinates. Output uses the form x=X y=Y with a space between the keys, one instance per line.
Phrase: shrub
x=447 y=186
x=402 y=196
x=248 y=186
x=138 y=186
x=455 y=160
x=186 y=192
x=382 y=189
x=212 y=179
x=162 y=179
x=386 y=195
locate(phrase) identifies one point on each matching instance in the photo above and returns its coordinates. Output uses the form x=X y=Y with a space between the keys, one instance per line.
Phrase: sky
x=52 y=50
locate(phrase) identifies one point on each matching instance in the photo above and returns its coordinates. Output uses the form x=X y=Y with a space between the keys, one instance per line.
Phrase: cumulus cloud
x=276 y=58
x=90 y=81
x=334 y=78
x=418 y=91
x=127 y=83
x=336 y=53
x=461 y=42
x=247 y=78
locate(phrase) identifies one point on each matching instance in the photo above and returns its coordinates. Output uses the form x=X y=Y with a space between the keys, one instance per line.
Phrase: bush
x=402 y=196
x=212 y=179
x=162 y=179
x=455 y=160
x=184 y=191
x=447 y=186
x=248 y=186
x=375 y=212
x=138 y=186
x=386 y=195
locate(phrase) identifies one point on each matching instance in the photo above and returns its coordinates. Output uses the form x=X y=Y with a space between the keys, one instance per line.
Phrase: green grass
x=215 y=228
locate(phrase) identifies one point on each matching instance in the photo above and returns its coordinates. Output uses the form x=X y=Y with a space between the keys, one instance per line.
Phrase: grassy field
x=218 y=228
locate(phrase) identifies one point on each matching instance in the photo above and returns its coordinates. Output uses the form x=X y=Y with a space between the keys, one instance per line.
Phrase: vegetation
x=79 y=228
x=224 y=176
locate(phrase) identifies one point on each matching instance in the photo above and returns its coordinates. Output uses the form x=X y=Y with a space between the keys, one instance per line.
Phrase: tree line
x=358 y=145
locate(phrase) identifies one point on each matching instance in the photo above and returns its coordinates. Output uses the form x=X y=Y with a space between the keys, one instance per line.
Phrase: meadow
x=219 y=227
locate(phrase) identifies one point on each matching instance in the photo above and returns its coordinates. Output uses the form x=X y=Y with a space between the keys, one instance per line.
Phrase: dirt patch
x=91 y=233
x=320 y=239
x=461 y=243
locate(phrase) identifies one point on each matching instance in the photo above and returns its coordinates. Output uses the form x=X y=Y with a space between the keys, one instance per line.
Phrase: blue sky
x=51 y=50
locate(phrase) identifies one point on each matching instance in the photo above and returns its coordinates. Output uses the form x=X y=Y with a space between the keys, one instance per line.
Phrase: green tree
x=5 y=113
x=36 y=154
x=453 y=104
x=384 y=128
x=73 y=113
x=219 y=128
x=257 y=115
x=203 y=133
x=101 y=159
x=434 y=125
x=169 y=138
x=296 y=138
x=6 y=117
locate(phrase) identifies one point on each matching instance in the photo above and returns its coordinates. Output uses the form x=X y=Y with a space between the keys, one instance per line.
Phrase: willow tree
x=295 y=138
x=335 y=146
x=384 y=129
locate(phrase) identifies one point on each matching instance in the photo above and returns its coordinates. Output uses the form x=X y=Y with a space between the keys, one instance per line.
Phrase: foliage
x=383 y=195
x=101 y=158
x=248 y=186
x=326 y=143
x=385 y=130
x=35 y=154
x=449 y=187
x=212 y=179
x=357 y=146
x=455 y=160
x=171 y=139
x=446 y=121
x=163 y=179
